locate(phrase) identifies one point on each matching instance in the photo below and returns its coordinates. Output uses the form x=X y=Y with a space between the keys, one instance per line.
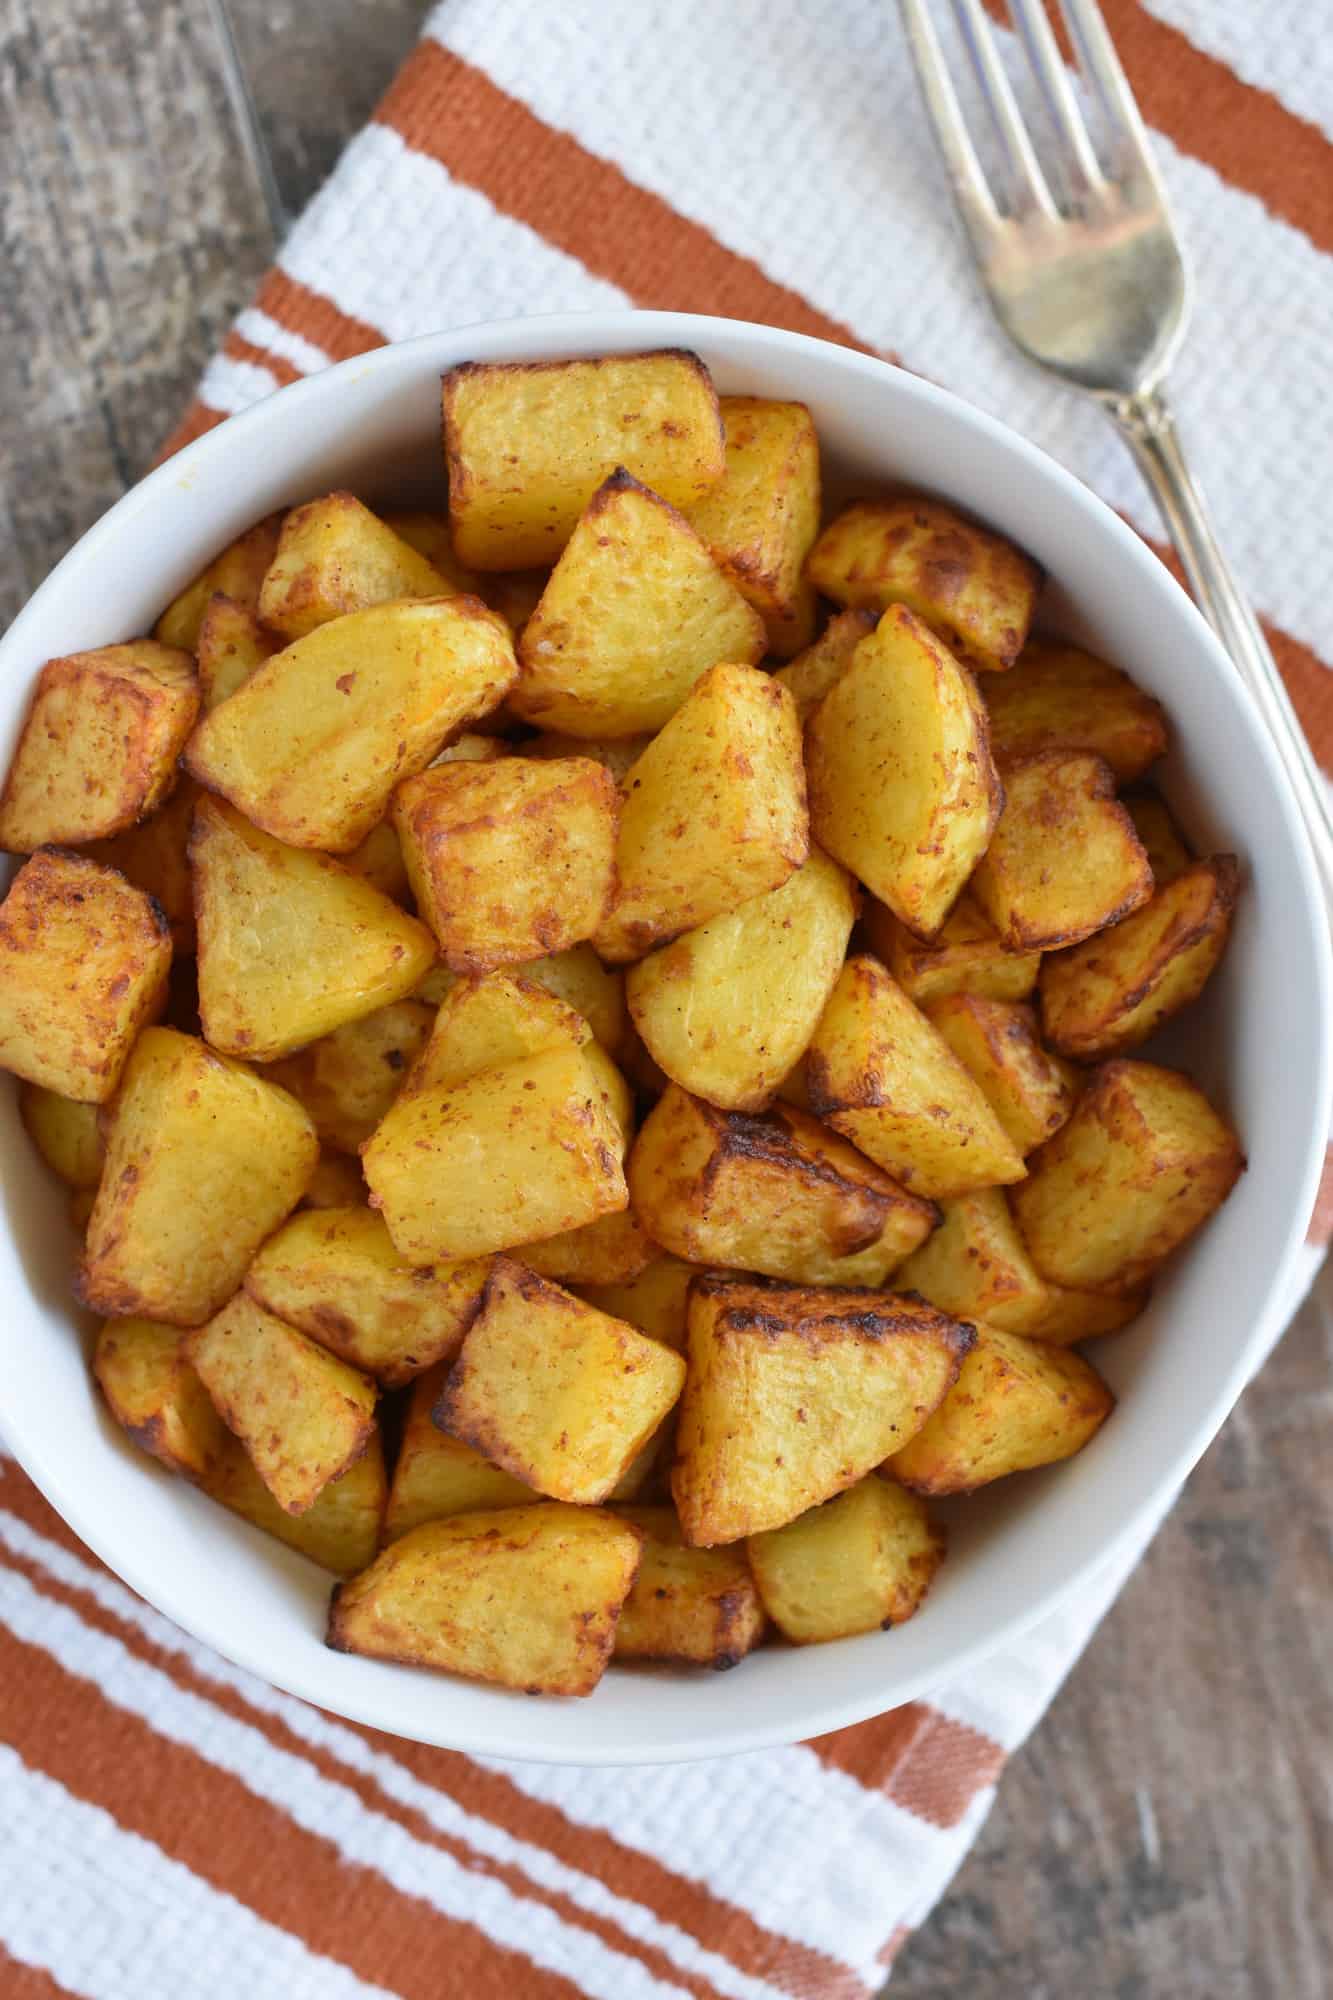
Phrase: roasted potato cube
x=714 y=812
x=1065 y=860
x=487 y=1023
x=812 y=673
x=1108 y=994
x=335 y=1183
x=528 y=444
x=66 y=1134
x=238 y=573
x=1060 y=698
x=429 y=535
x=527 y=1597
x=509 y=861
x=1072 y=1315
x=1142 y=1162
x=84 y=959
x=302 y=1414
x=860 y=1562
x=882 y=1076
x=635 y=611
x=965 y=955
x=507 y=1157
x=794 y=1393
x=762 y=517
x=290 y=944
x=333 y=1273
x=311 y=746
x=99 y=747
x=996 y=1041
x=203 y=1161
x=436 y=1476
x=231 y=644
x=611 y=1251
x=335 y=556
x=1016 y=1404
x=151 y=1390
x=348 y=1080
x=154 y=856
x=902 y=788
x=617 y=754
x=778 y=1194
x=378 y=859
x=697 y=1606
x=975 y=590
x=727 y=1009
x=975 y=1267
x=1162 y=840
x=554 y=1391
x=340 y=1530
x=595 y=991
x=654 y=1301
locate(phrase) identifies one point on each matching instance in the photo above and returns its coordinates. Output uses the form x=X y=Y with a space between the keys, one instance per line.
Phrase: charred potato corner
x=594 y=1036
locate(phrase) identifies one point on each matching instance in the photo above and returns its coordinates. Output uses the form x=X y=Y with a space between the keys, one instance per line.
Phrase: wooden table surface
x=1167 y=1835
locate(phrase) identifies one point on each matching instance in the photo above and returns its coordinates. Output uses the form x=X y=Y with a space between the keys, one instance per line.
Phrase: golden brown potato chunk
x=512 y=860
x=902 y=787
x=429 y=535
x=378 y=859
x=696 y=1606
x=996 y=1041
x=1163 y=842
x=1108 y=994
x=1065 y=860
x=975 y=590
x=99 y=747
x=654 y=1301
x=714 y=812
x=553 y=1391
x=611 y=1251
x=727 y=1009
x=333 y=1273
x=311 y=746
x=335 y=556
x=84 y=959
x=882 y=1076
x=1060 y=698
x=335 y=1183
x=436 y=1476
x=1016 y=1404
x=203 y=1161
x=151 y=1390
x=348 y=1080
x=527 y=1597
x=487 y=1023
x=290 y=944
x=340 y=1530
x=1143 y=1161
x=238 y=573
x=154 y=856
x=528 y=444
x=966 y=955
x=763 y=515
x=812 y=673
x=231 y=644
x=66 y=1133
x=302 y=1415
x=794 y=1393
x=779 y=1194
x=505 y=1158
x=860 y=1562
x=579 y=978
x=635 y=611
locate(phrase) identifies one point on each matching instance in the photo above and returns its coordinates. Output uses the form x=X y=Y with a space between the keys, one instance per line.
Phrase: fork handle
x=1146 y=423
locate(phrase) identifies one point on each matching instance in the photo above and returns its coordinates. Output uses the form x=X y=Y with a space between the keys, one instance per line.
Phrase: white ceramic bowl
x=1257 y=1044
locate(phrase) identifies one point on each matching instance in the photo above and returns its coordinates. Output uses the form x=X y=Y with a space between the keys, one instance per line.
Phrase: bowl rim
x=627 y=330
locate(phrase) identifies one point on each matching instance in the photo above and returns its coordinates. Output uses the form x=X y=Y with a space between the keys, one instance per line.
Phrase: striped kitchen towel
x=172 y=1826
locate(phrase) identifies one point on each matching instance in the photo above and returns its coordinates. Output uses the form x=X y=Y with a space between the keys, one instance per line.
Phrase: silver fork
x=1087 y=277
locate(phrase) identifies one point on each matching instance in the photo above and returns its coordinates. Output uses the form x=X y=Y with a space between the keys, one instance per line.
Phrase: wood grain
x=1166 y=1833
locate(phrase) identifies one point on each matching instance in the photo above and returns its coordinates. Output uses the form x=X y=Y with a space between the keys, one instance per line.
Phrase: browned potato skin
x=1141 y=1163
x=1064 y=860
x=231 y=644
x=812 y=673
x=335 y=556
x=966 y=955
x=84 y=959
x=1060 y=698
x=1016 y=1404
x=348 y=1080
x=514 y=508
x=66 y=1133
x=796 y=1392
x=154 y=855
x=152 y=1391
x=762 y=517
x=780 y=1195
x=861 y=1562
x=525 y=1597
x=976 y=590
x=698 y=1607
x=99 y=747
x=510 y=861
x=237 y=573
x=1109 y=994
x=997 y=1042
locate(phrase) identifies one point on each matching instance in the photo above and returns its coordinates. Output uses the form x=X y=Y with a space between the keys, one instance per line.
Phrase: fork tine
x=1029 y=182
x=971 y=192
x=1048 y=67
x=1101 y=65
